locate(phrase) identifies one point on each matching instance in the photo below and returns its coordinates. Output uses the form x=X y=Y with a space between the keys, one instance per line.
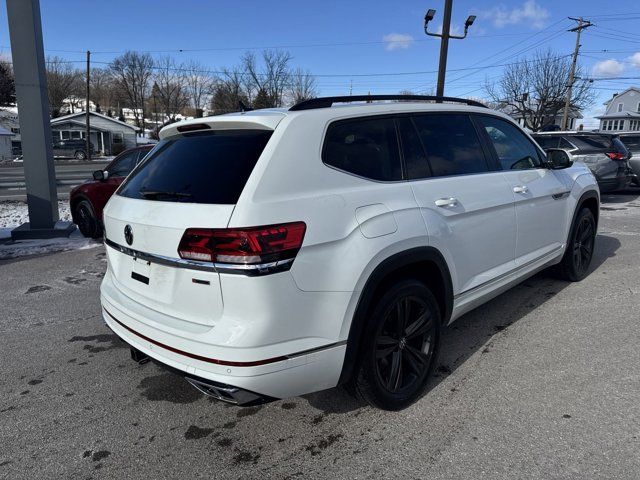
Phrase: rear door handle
x=520 y=189
x=447 y=202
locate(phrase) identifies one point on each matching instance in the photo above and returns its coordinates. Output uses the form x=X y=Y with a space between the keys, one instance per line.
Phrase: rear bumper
x=294 y=374
x=614 y=184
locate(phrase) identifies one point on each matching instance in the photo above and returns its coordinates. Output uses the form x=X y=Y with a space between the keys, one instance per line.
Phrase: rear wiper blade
x=161 y=193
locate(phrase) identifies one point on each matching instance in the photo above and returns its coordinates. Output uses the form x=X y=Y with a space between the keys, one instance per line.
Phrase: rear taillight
x=616 y=156
x=249 y=246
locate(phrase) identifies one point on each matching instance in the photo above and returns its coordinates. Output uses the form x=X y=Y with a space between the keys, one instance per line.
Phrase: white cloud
x=529 y=12
x=397 y=41
x=635 y=59
x=609 y=67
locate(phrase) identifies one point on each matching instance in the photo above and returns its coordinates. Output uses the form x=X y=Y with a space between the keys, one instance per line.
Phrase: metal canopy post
x=27 y=50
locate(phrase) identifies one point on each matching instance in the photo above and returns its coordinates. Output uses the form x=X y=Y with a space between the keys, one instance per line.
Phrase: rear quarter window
x=201 y=167
x=367 y=147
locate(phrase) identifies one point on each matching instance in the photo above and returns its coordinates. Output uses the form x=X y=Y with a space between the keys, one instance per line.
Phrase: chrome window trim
x=251 y=270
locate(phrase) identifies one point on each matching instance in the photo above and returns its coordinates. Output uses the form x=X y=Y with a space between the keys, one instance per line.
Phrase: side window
x=513 y=148
x=451 y=143
x=415 y=159
x=564 y=143
x=547 y=141
x=123 y=166
x=367 y=147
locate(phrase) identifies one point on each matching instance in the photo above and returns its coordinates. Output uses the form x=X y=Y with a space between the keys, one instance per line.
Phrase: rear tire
x=80 y=155
x=86 y=219
x=400 y=348
x=579 y=253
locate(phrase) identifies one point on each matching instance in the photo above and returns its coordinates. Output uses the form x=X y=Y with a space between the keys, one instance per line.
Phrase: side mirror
x=557 y=159
x=100 y=175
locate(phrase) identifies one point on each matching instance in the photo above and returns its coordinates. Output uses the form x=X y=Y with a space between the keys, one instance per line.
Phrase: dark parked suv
x=71 y=148
x=604 y=154
x=632 y=142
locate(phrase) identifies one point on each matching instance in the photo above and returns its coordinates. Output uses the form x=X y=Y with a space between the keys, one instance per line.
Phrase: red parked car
x=88 y=199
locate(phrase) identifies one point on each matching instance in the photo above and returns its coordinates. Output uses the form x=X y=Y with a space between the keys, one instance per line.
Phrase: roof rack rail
x=326 y=102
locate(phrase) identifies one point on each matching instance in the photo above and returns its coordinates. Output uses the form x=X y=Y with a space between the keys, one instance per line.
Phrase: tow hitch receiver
x=138 y=356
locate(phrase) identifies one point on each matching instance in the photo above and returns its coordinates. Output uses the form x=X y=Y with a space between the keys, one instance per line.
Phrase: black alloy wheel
x=401 y=348
x=580 y=247
x=86 y=220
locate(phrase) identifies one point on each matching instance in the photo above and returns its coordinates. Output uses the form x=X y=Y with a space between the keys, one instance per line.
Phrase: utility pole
x=444 y=39
x=86 y=108
x=582 y=24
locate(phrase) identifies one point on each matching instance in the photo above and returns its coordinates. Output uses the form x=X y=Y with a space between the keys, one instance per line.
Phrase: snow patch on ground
x=13 y=214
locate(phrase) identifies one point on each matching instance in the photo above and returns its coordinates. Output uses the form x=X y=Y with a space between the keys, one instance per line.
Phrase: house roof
x=619 y=115
x=622 y=93
x=79 y=123
x=82 y=114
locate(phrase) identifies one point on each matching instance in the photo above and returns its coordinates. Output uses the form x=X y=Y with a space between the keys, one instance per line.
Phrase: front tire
x=579 y=253
x=80 y=155
x=400 y=348
x=86 y=220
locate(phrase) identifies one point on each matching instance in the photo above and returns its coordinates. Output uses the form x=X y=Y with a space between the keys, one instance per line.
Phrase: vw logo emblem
x=128 y=234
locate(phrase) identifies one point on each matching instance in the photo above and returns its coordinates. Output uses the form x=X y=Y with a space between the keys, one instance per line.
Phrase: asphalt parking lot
x=542 y=382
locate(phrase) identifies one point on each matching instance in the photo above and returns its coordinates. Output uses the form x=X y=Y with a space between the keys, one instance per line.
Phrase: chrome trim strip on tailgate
x=237 y=268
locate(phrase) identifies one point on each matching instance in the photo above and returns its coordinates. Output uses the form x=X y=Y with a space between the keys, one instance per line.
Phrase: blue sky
x=343 y=43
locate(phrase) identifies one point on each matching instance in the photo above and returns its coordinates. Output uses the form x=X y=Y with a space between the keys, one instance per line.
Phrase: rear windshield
x=591 y=142
x=631 y=141
x=199 y=167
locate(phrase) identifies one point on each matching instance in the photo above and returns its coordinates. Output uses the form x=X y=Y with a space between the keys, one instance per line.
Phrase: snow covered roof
x=82 y=113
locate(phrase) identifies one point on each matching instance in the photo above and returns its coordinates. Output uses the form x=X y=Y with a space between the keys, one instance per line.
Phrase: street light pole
x=444 y=39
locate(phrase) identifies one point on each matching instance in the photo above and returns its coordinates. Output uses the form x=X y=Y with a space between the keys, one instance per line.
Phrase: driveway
x=542 y=382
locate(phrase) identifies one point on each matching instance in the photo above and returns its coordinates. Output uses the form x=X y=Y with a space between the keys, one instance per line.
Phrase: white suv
x=273 y=253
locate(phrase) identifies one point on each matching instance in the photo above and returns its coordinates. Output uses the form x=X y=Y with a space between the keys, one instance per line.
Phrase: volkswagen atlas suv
x=273 y=253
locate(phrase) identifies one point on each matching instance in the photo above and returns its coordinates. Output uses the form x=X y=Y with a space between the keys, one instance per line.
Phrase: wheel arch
x=591 y=200
x=426 y=264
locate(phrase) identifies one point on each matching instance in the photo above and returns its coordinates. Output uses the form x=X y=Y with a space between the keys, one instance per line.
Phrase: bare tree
x=199 y=83
x=535 y=90
x=7 y=85
x=171 y=89
x=104 y=90
x=302 y=86
x=62 y=83
x=132 y=72
x=271 y=78
x=229 y=92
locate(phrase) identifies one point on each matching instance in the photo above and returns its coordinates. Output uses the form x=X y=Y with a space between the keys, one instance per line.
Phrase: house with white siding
x=622 y=113
x=109 y=136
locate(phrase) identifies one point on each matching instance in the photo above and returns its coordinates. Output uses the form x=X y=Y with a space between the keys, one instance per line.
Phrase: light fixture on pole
x=444 y=39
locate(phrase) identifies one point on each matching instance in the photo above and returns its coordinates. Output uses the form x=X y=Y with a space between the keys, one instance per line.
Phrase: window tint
x=591 y=142
x=203 y=167
x=514 y=150
x=547 y=141
x=451 y=143
x=123 y=166
x=367 y=147
x=415 y=159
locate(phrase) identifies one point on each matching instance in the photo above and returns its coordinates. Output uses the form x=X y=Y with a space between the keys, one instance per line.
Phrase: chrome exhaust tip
x=227 y=393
